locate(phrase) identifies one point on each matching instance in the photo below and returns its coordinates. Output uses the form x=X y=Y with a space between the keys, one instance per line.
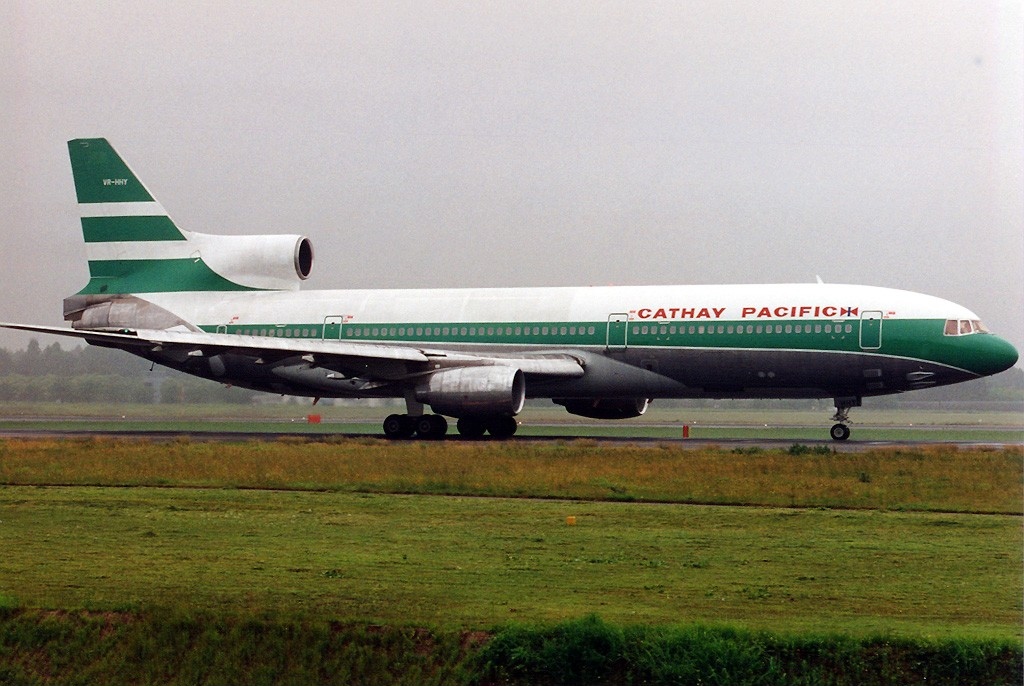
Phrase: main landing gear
x=434 y=426
x=840 y=431
x=428 y=426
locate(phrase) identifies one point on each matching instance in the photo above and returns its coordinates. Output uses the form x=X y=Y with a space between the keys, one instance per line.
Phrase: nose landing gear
x=840 y=431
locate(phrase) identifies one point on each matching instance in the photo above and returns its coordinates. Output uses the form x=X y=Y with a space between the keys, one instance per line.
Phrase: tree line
x=93 y=374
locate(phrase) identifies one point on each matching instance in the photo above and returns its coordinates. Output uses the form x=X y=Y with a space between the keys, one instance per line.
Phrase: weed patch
x=589 y=651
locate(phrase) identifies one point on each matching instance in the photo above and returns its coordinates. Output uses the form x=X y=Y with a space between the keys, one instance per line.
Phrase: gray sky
x=428 y=144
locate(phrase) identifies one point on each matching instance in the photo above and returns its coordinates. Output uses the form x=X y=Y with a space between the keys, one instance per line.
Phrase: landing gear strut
x=840 y=431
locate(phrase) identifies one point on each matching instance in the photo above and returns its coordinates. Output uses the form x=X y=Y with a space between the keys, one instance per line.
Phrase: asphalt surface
x=851 y=445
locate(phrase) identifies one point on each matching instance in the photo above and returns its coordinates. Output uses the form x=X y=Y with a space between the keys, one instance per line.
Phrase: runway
x=849 y=446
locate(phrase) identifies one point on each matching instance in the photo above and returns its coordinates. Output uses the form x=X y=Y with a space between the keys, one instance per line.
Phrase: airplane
x=229 y=308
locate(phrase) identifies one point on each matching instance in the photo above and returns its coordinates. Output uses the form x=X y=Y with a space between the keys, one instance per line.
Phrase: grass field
x=907 y=542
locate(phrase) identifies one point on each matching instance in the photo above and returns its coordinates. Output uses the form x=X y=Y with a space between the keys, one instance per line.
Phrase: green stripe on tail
x=124 y=229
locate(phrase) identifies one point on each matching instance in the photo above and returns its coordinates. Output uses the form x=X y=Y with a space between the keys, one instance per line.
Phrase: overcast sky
x=428 y=144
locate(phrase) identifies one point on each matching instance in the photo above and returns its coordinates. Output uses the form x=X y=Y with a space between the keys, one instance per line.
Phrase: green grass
x=478 y=562
x=136 y=561
x=475 y=563
x=936 y=478
x=199 y=647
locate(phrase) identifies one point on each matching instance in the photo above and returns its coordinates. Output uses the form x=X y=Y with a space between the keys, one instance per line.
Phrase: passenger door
x=871 y=330
x=618 y=325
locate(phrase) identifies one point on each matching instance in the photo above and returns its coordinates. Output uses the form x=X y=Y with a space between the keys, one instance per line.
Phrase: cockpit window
x=962 y=327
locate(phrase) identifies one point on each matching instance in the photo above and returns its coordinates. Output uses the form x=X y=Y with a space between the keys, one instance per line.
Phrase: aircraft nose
x=995 y=355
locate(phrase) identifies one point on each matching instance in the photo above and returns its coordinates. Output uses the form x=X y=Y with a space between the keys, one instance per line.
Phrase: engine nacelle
x=605 y=408
x=474 y=391
x=267 y=262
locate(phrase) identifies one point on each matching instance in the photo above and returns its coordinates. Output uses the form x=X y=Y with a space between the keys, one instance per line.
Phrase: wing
x=372 y=361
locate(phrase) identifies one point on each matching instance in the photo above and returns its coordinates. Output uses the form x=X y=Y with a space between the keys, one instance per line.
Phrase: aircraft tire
x=839 y=432
x=399 y=426
x=471 y=427
x=502 y=427
x=431 y=426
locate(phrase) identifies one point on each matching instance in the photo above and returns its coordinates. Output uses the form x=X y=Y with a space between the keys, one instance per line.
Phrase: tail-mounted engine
x=264 y=262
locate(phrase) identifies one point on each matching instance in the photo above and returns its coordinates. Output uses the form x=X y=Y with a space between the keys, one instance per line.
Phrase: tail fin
x=132 y=245
x=103 y=179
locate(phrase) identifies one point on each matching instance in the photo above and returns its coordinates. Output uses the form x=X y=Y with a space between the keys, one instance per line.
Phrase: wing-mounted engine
x=474 y=391
x=279 y=262
x=605 y=408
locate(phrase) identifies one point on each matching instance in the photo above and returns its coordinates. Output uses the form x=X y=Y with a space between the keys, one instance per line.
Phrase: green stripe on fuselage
x=908 y=339
x=123 y=229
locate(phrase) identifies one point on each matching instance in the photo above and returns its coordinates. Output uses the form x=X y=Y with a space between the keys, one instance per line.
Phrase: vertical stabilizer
x=113 y=203
x=132 y=245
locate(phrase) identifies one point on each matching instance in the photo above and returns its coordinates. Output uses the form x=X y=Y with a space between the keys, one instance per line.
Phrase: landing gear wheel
x=470 y=427
x=839 y=432
x=431 y=426
x=502 y=427
x=399 y=426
